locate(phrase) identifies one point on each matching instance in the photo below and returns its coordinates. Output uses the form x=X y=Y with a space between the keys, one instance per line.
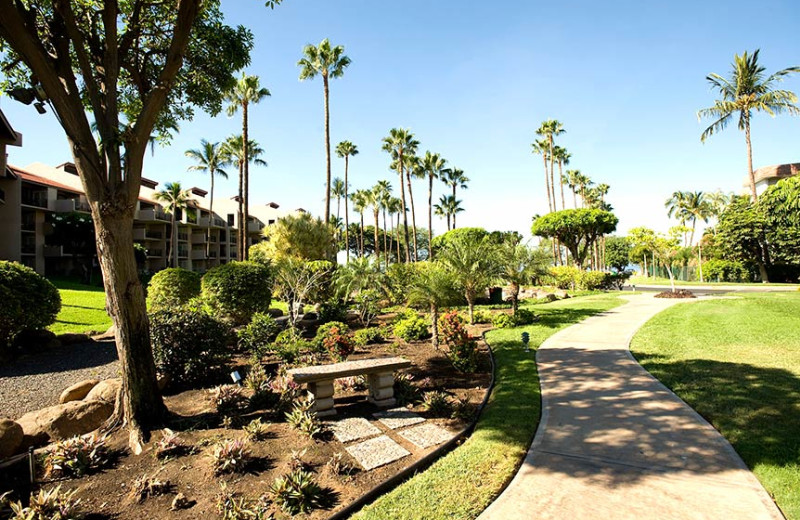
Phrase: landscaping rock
x=77 y=391
x=561 y=294
x=63 y=421
x=352 y=429
x=104 y=391
x=109 y=334
x=11 y=435
x=275 y=313
x=377 y=452
x=72 y=338
x=395 y=418
x=426 y=435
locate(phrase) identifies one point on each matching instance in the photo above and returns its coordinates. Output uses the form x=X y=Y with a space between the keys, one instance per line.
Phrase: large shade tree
x=329 y=62
x=576 y=229
x=748 y=89
x=134 y=68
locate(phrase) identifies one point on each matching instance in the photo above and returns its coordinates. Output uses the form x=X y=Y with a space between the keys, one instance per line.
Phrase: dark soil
x=678 y=293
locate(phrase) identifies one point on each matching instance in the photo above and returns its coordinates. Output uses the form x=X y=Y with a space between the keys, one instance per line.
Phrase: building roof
x=7 y=133
x=777 y=171
x=44 y=181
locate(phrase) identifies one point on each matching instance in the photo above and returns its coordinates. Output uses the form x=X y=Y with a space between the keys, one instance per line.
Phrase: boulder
x=10 y=438
x=109 y=334
x=63 y=421
x=77 y=391
x=71 y=338
x=561 y=294
x=275 y=313
x=105 y=390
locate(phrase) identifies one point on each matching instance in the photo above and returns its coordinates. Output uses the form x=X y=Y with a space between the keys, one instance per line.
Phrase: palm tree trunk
x=435 y=326
x=397 y=236
x=327 y=150
x=454 y=199
x=403 y=200
x=377 y=241
x=575 y=198
x=413 y=215
x=346 y=211
x=385 y=240
x=552 y=178
x=448 y=221
x=750 y=172
x=361 y=230
x=173 y=237
x=241 y=213
x=246 y=206
x=700 y=261
x=547 y=184
x=210 y=218
x=514 y=297
x=561 y=181
x=430 y=217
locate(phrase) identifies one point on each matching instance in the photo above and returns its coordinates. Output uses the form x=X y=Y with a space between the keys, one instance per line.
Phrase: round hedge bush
x=189 y=345
x=27 y=301
x=412 y=329
x=172 y=287
x=257 y=335
x=237 y=290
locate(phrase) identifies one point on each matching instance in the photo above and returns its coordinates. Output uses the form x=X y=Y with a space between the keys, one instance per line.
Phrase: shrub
x=565 y=277
x=229 y=399
x=411 y=329
x=367 y=336
x=147 y=486
x=189 y=345
x=462 y=410
x=503 y=321
x=172 y=287
x=462 y=349
x=617 y=280
x=336 y=342
x=438 y=403
x=593 y=280
x=332 y=310
x=46 y=505
x=366 y=305
x=170 y=445
x=231 y=508
x=290 y=344
x=404 y=314
x=400 y=277
x=229 y=456
x=75 y=457
x=256 y=430
x=297 y=492
x=257 y=335
x=304 y=419
x=404 y=390
x=725 y=271
x=27 y=301
x=337 y=465
x=524 y=317
x=481 y=316
x=324 y=330
x=237 y=290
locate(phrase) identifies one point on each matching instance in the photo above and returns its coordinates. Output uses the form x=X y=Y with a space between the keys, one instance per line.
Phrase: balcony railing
x=155 y=253
x=183 y=236
x=70 y=205
x=35 y=198
x=152 y=214
x=254 y=227
x=53 y=251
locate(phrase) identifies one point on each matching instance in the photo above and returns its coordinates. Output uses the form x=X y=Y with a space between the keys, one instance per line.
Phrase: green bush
x=524 y=317
x=461 y=348
x=404 y=314
x=593 y=280
x=565 y=276
x=172 y=287
x=368 y=336
x=290 y=344
x=412 y=329
x=333 y=309
x=325 y=329
x=481 y=316
x=504 y=321
x=725 y=271
x=399 y=278
x=237 y=290
x=27 y=301
x=258 y=334
x=189 y=345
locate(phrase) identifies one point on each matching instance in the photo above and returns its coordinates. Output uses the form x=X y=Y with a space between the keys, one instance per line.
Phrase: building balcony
x=28 y=248
x=183 y=253
x=183 y=237
x=71 y=205
x=198 y=238
x=155 y=253
x=53 y=251
x=139 y=233
x=254 y=227
x=198 y=254
x=36 y=199
x=150 y=215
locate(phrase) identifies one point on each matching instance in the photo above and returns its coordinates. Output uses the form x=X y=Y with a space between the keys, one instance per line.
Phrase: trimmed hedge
x=28 y=301
x=172 y=287
x=237 y=290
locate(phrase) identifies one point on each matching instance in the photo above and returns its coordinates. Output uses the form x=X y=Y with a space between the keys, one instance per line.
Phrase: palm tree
x=447 y=208
x=563 y=157
x=173 y=199
x=518 y=265
x=394 y=206
x=399 y=143
x=549 y=129
x=210 y=158
x=338 y=190
x=572 y=180
x=346 y=149
x=455 y=178
x=542 y=147
x=584 y=183
x=745 y=91
x=233 y=151
x=247 y=91
x=384 y=188
x=360 y=203
x=413 y=168
x=328 y=62
x=433 y=165
x=374 y=199
x=434 y=286
x=473 y=265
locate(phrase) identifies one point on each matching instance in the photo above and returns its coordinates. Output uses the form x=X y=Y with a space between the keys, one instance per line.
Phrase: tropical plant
x=549 y=129
x=474 y=266
x=76 y=456
x=211 y=158
x=297 y=280
x=462 y=349
x=361 y=199
x=47 y=504
x=173 y=199
x=572 y=178
x=518 y=265
x=358 y=275
x=257 y=335
x=346 y=149
x=301 y=237
x=744 y=92
x=448 y=208
x=230 y=456
x=329 y=62
x=689 y=206
x=455 y=178
x=338 y=191
x=401 y=143
x=563 y=157
x=434 y=287
x=297 y=492
x=542 y=147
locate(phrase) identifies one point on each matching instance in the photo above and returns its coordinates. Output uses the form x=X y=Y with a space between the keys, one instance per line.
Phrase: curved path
x=614 y=443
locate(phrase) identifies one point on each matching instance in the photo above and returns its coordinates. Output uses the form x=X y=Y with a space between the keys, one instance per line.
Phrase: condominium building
x=767 y=176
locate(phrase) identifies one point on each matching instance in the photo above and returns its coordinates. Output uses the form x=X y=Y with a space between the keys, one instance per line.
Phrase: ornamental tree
x=576 y=229
x=130 y=69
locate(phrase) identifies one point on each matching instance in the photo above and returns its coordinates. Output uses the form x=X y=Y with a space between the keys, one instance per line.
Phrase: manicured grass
x=83 y=309
x=737 y=362
x=463 y=483
x=643 y=280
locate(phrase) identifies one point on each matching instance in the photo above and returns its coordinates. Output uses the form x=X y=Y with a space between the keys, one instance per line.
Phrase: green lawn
x=82 y=309
x=643 y=280
x=463 y=483
x=737 y=362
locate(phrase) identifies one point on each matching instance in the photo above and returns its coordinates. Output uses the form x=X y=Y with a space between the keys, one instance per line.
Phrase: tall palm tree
x=399 y=143
x=346 y=149
x=233 y=151
x=448 y=207
x=329 y=62
x=384 y=188
x=584 y=183
x=572 y=180
x=360 y=203
x=210 y=158
x=338 y=191
x=433 y=165
x=542 y=147
x=413 y=169
x=173 y=198
x=563 y=157
x=549 y=129
x=394 y=206
x=745 y=91
x=247 y=91
x=455 y=178
x=374 y=199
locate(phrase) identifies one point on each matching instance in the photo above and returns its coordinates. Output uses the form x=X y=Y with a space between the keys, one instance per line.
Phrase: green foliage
x=438 y=403
x=358 y=275
x=259 y=253
x=257 y=335
x=462 y=349
x=332 y=337
x=618 y=250
x=411 y=329
x=301 y=237
x=27 y=301
x=303 y=419
x=473 y=265
x=75 y=457
x=256 y=430
x=565 y=276
x=237 y=290
x=299 y=281
x=481 y=316
x=297 y=492
x=405 y=391
x=325 y=329
x=230 y=456
x=432 y=285
x=332 y=309
x=522 y=317
x=368 y=336
x=725 y=271
x=470 y=234
x=290 y=344
x=231 y=508
x=593 y=280
x=49 y=504
x=172 y=287
x=576 y=229
x=367 y=305
x=189 y=345
x=399 y=279
x=520 y=265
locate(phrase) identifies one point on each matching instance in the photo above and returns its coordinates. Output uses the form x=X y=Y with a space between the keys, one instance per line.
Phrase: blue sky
x=473 y=80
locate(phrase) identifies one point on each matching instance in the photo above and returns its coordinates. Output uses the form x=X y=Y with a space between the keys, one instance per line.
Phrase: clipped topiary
x=27 y=301
x=237 y=290
x=172 y=287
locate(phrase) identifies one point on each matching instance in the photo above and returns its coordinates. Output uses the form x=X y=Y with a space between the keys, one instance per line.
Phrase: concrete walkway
x=614 y=443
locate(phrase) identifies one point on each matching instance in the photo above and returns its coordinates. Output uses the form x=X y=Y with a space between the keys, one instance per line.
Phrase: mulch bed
x=679 y=293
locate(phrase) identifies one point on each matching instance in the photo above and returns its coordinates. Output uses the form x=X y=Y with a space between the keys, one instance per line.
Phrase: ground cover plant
x=492 y=454
x=737 y=362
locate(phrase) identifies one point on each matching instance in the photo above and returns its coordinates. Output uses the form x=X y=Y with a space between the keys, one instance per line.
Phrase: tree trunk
x=403 y=201
x=430 y=217
x=210 y=219
x=471 y=306
x=753 y=192
x=377 y=240
x=174 y=240
x=700 y=261
x=327 y=150
x=413 y=215
x=435 y=326
x=454 y=200
x=241 y=213
x=671 y=277
x=397 y=235
x=361 y=231
x=547 y=184
x=646 y=273
x=514 y=297
x=561 y=181
x=385 y=239
x=346 y=211
x=552 y=177
x=246 y=205
x=141 y=406
x=575 y=199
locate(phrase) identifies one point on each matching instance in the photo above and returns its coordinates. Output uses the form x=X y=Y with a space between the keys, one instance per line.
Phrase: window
x=230 y=219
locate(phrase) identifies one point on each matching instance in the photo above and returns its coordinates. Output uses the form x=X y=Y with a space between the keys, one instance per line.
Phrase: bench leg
x=381 y=389
x=323 y=397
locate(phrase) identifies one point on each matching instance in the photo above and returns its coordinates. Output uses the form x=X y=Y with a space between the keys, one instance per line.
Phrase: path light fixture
x=237 y=377
x=526 y=338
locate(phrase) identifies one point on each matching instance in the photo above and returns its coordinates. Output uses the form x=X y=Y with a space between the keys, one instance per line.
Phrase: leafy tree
x=520 y=264
x=576 y=229
x=329 y=62
x=297 y=280
x=300 y=236
x=667 y=248
x=210 y=158
x=473 y=264
x=741 y=235
x=399 y=143
x=433 y=286
x=746 y=91
x=640 y=239
x=141 y=66
x=346 y=149
x=618 y=250
x=174 y=199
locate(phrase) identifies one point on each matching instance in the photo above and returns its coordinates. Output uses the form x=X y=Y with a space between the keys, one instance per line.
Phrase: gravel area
x=36 y=381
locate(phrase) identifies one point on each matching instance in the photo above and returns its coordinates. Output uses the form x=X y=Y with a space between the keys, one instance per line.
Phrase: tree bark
x=239 y=255
x=327 y=149
x=361 y=230
x=435 y=326
x=753 y=192
x=547 y=184
x=385 y=239
x=561 y=181
x=413 y=215
x=246 y=155
x=210 y=218
x=430 y=217
x=471 y=306
x=375 y=234
x=403 y=200
x=514 y=297
x=346 y=211
x=552 y=178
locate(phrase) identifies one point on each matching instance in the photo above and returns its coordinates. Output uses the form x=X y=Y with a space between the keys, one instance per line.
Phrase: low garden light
x=237 y=377
x=526 y=338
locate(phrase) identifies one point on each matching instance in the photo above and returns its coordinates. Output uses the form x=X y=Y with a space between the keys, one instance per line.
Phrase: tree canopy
x=301 y=236
x=576 y=229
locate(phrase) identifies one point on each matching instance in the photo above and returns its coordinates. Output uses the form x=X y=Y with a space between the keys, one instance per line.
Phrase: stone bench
x=380 y=379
